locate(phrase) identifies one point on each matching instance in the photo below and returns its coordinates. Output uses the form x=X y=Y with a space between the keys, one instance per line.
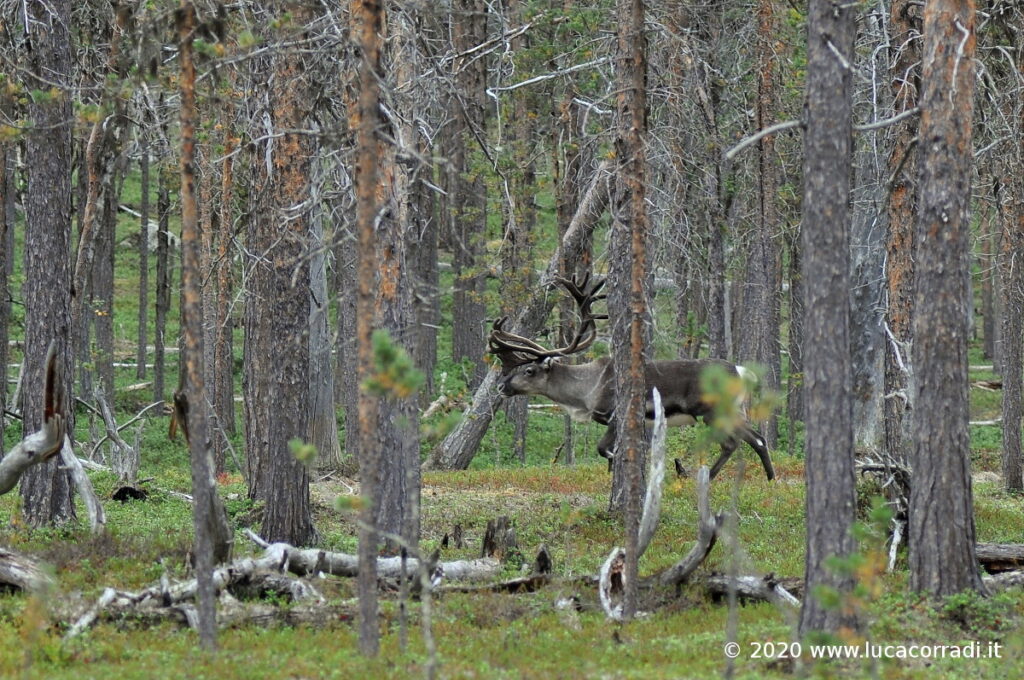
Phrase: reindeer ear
x=547 y=363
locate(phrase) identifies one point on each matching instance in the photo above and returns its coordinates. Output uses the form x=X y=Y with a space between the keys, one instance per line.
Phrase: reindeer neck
x=577 y=387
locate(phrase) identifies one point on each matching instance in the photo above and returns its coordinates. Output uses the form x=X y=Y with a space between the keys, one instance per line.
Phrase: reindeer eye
x=530 y=370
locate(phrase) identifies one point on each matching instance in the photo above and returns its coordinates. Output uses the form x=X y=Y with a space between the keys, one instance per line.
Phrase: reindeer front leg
x=728 y=447
x=606 y=447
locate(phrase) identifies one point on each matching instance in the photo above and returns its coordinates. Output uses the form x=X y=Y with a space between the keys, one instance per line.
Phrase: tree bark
x=144 y=190
x=209 y=520
x=795 y=406
x=323 y=422
x=7 y=190
x=829 y=473
x=628 y=306
x=277 y=303
x=762 y=297
x=867 y=247
x=367 y=23
x=46 y=489
x=399 y=187
x=904 y=24
x=223 y=352
x=1011 y=271
x=469 y=194
x=941 y=524
x=162 y=293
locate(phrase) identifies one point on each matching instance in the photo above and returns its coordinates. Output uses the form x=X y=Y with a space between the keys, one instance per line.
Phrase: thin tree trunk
x=162 y=293
x=627 y=302
x=347 y=360
x=367 y=22
x=986 y=262
x=102 y=289
x=904 y=24
x=7 y=190
x=203 y=485
x=224 y=353
x=144 y=187
x=469 y=195
x=1011 y=266
x=829 y=473
x=323 y=423
x=795 y=379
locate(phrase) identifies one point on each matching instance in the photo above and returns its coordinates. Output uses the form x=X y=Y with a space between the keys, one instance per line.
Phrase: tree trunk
x=628 y=300
x=102 y=288
x=163 y=286
x=795 y=406
x=144 y=187
x=399 y=186
x=867 y=250
x=469 y=195
x=7 y=189
x=346 y=376
x=366 y=22
x=941 y=527
x=424 y=254
x=904 y=24
x=521 y=217
x=46 y=489
x=209 y=520
x=323 y=422
x=829 y=473
x=762 y=298
x=986 y=264
x=1011 y=266
x=277 y=303
x=223 y=352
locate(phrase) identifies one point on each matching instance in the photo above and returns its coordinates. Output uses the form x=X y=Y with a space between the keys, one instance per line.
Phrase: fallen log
x=23 y=572
x=764 y=588
x=538 y=578
x=250 y=574
x=231 y=613
x=1000 y=557
x=306 y=561
x=1003 y=580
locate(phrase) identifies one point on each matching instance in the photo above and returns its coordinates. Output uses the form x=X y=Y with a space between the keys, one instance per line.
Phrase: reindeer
x=587 y=391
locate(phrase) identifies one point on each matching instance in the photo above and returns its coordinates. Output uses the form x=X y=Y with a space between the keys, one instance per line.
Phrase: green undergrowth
x=495 y=635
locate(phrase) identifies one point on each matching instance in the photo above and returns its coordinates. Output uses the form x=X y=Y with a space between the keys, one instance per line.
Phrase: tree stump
x=499 y=538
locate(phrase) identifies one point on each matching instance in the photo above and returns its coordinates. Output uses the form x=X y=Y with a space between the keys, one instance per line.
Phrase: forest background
x=256 y=188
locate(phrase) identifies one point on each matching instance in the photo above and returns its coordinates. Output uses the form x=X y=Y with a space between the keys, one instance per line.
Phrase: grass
x=500 y=636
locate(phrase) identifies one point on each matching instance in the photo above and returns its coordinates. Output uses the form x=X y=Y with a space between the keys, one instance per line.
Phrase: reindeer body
x=587 y=392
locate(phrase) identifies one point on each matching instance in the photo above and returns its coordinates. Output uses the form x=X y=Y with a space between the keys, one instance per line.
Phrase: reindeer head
x=525 y=365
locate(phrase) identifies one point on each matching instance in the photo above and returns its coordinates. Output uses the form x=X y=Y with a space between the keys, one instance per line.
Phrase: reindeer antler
x=515 y=350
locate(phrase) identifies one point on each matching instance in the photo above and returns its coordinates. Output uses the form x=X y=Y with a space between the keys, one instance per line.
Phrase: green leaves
x=394 y=374
x=304 y=453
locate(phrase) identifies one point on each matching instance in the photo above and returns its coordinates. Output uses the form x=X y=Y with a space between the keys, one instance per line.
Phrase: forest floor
x=491 y=635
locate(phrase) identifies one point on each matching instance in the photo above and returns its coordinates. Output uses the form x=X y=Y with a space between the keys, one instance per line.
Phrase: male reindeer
x=587 y=391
